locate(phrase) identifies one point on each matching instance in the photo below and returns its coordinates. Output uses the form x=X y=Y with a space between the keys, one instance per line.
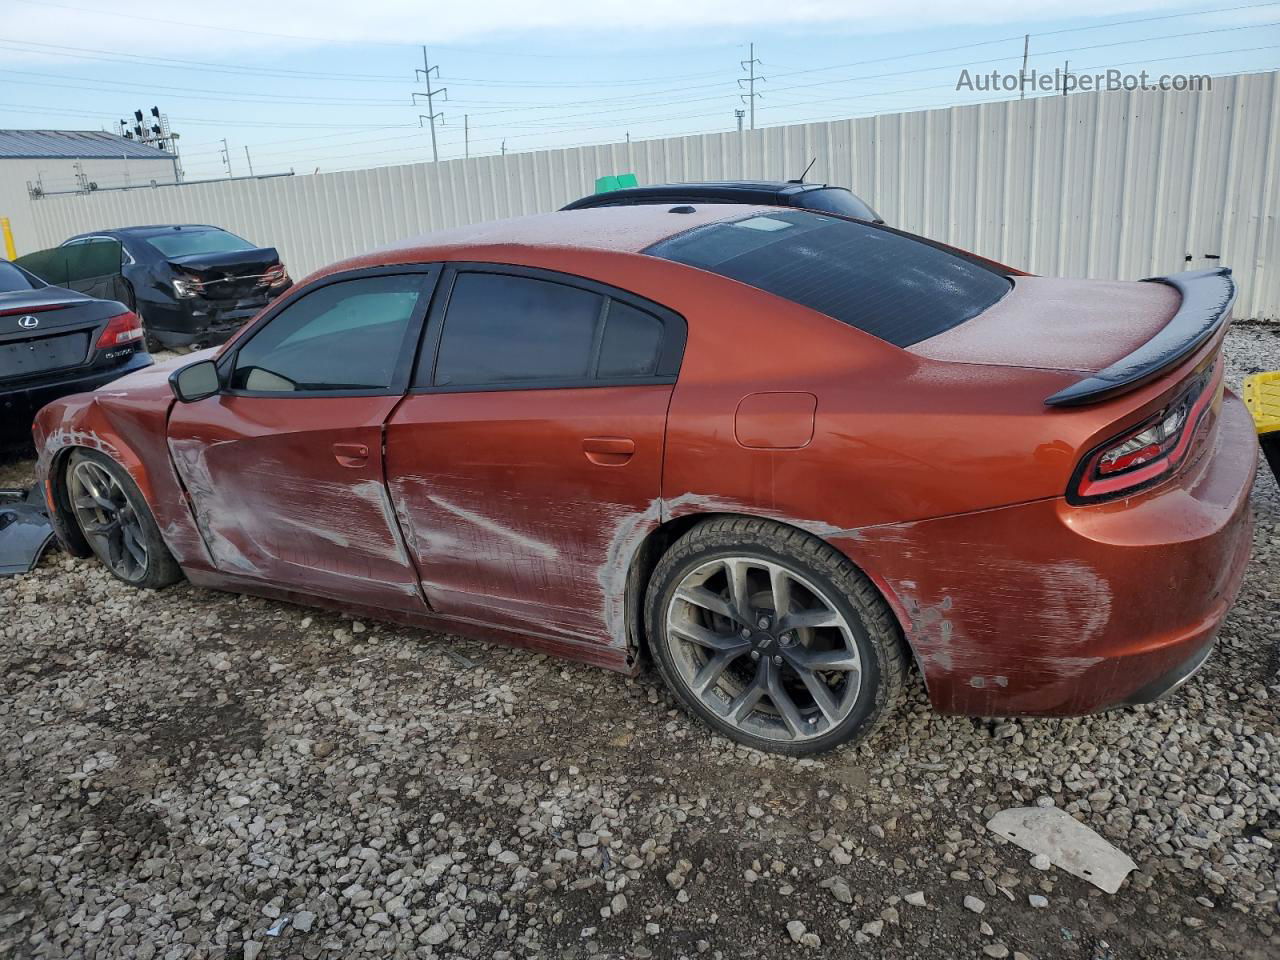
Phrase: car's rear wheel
x=116 y=522
x=772 y=636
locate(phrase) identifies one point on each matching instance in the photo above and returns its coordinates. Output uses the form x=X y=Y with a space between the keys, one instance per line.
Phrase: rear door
x=284 y=467
x=91 y=266
x=526 y=462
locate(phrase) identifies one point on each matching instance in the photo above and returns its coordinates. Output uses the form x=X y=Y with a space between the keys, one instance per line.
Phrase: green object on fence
x=619 y=182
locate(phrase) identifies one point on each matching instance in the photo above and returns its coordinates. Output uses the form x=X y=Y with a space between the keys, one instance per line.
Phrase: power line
x=109 y=56
x=703 y=130
x=1037 y=33
x=333 y=40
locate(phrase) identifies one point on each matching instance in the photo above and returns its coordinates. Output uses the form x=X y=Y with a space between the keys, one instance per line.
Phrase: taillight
x=186 y=287
x=125 y=328
x=1147 y=453
x=275 y=276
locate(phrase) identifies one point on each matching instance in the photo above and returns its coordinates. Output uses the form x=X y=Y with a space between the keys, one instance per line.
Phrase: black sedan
x=193 y=285
x=55 y=342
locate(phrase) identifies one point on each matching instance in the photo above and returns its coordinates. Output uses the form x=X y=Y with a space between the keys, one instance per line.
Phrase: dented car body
x=1037 y=558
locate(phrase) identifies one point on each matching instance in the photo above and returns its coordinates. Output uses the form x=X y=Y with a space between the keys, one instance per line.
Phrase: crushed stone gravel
x=182 y=772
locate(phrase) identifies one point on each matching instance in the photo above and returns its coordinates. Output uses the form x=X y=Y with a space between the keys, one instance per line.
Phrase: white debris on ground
x=181 y=771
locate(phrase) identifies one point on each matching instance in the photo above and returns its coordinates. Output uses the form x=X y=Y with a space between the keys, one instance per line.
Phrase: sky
x=328 y=85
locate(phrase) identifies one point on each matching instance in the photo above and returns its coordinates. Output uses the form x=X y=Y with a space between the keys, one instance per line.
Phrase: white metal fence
x=1112 y=185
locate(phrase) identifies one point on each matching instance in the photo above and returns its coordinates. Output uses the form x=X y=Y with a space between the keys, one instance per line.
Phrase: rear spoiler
x=1207 y=296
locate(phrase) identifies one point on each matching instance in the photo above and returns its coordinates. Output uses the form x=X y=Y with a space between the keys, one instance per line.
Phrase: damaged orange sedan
x=779 y=453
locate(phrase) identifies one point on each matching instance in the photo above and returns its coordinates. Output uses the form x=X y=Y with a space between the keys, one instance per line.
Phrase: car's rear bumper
x=199 y=322
x=19 y=404
x=1052 y=609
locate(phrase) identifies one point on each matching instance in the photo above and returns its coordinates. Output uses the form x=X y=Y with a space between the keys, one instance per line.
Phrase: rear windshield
x=184 y=243
x=894 y=287
x=12 y=279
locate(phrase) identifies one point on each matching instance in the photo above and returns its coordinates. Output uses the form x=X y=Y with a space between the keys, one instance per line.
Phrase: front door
x=526 y=462
x=284 y=467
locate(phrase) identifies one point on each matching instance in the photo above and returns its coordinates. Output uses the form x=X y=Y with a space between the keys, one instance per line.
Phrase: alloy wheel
x=108 y=520
x=764 y=648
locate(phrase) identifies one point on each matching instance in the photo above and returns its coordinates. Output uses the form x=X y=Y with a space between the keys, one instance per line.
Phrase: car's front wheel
x=772 y=636
x=116 y=522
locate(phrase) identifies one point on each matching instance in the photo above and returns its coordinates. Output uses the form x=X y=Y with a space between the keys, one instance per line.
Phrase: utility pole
x=1022 y=77
x=504 y=146
x=750 y=80
x=739 y=113
x=426 y=70
x=1066 y=72
x=466 y=137
x=226 y=156
x=248 y=159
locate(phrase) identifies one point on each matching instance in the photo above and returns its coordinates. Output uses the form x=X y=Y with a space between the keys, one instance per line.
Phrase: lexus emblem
x=28 y=322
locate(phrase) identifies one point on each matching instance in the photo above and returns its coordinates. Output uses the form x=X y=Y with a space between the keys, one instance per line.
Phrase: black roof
x=149 y=230
x=740 y=191
x=766 y=192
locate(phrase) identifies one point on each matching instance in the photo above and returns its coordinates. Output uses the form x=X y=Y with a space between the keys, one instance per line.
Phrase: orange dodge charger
x=779 y=453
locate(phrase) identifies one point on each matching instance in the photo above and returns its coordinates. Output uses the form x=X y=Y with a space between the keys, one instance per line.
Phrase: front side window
x=348 y=335
x=510 y=330
x=186 y=243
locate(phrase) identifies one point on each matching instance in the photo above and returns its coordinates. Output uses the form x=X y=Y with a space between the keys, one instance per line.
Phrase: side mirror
x=195 y=382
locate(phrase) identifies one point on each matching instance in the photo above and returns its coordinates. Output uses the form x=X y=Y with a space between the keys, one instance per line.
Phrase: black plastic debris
x=25 y=530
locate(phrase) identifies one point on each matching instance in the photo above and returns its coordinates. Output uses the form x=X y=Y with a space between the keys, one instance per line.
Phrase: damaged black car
x=193 y=285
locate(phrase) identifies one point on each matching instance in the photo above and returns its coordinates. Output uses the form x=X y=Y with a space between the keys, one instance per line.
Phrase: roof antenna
x=806 y=171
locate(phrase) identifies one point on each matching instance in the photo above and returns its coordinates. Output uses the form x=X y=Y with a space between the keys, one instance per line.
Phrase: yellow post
x=10 y=251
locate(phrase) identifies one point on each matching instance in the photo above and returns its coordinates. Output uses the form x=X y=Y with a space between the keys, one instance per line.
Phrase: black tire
x=160 y=569
x=869 y=625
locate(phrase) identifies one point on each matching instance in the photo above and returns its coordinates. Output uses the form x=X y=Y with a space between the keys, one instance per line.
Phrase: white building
x=64 y=161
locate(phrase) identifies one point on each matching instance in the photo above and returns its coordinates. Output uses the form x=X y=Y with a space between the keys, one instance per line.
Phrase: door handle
x=351 y=454
x=609 y=451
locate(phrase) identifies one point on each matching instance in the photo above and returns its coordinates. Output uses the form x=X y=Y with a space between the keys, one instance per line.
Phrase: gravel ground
x=187 y=773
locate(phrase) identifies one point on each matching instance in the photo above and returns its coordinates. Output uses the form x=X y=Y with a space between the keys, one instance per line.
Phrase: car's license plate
x=27 y=357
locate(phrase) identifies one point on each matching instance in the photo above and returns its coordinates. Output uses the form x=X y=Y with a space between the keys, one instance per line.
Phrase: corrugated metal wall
x=57 y=173
x=1112 y=185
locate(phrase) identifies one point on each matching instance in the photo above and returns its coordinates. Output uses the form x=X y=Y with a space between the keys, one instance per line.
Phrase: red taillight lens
x=1149 y=452
x=125 y=328
x=275 y=276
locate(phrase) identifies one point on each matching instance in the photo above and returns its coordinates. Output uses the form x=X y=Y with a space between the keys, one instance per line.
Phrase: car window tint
x=632 y=344
x=185 y=243
x=343 y=336
x=835 y=200
x=12 y=279
x=500 y=328
x=894 y=287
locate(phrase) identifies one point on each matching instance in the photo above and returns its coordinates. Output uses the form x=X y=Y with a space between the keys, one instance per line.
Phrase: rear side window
x=509 y=330
x=894 y=287
x=502 y=329
x=836 y=200
x=632 y=342
x=12 y=279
